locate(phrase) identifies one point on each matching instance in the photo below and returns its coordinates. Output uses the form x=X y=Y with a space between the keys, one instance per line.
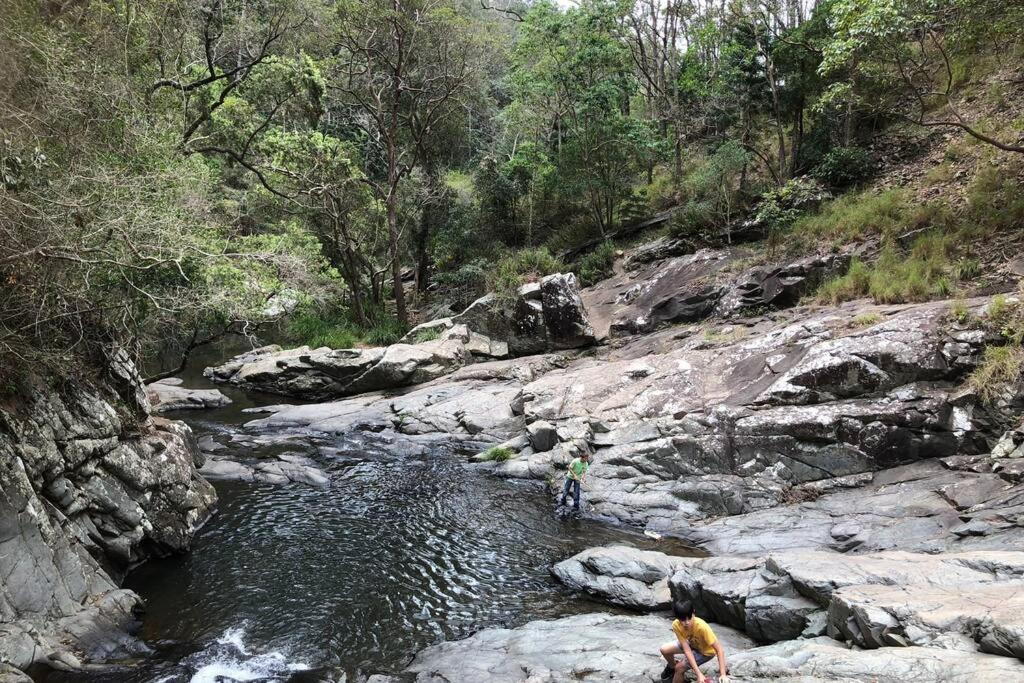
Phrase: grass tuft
x=498 y=454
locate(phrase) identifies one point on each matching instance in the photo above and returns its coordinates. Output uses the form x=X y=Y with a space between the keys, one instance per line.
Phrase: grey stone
x=167 y=395
x=621 y=575
x=594 y=647
x=543 y=436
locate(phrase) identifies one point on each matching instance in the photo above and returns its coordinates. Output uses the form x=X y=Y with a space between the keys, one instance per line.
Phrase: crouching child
x=696 y=642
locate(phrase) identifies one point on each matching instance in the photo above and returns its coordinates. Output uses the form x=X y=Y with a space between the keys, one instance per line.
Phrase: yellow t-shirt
x=700 y=635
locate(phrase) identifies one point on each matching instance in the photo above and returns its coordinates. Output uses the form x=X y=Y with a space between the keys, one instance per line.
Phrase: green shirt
x=577 y=468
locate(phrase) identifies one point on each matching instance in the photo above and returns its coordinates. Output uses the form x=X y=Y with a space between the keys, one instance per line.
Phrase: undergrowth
x=596 y=265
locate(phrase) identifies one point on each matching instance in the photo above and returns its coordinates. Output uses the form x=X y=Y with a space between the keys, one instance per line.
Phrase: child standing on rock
x=696 y=642
x=575 y=475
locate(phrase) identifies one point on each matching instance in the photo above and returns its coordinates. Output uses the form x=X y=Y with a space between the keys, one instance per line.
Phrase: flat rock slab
x=591 y=647
x=167 y=395
x=823 y=659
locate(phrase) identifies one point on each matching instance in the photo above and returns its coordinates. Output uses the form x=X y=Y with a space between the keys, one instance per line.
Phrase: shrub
x=866 y=319
x=525 y=265
x=999 y=367
x=844 y=166
x=695 y=216
x=498 y=454
x=384 y=330
x=896 y=277
x=780 y=208
x=597 y=265
x=635 y=207
x=315 y=327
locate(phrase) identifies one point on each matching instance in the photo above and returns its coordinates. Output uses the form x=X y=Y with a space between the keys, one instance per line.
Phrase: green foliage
x=860 y=214
x=866 y=320
x=498 y=454
x=332 y=328
x=384 y=330
x=428 y=335
x=896 y=277
x=780 y=208
x=597 y=265
x=844 y=166
x=519 y=267
x=712 y=186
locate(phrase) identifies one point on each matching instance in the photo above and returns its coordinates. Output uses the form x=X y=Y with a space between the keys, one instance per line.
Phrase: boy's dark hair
x=683 y=609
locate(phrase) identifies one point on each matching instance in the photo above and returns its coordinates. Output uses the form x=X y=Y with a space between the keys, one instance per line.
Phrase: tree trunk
x=396 y=262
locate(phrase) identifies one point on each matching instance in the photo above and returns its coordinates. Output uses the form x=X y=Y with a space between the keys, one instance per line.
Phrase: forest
x=175 y=172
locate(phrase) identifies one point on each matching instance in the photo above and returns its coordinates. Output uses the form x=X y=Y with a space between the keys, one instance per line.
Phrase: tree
x=403 y=66
x=903 y=53
x=573 y=78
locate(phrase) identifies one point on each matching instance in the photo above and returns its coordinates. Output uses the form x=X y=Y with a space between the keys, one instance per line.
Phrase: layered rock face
x=547 y=315
x=90 y=487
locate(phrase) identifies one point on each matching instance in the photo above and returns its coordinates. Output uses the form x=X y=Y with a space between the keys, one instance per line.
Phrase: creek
x=399 y=551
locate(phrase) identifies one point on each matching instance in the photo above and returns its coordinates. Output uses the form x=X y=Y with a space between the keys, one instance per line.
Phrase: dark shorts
x=700 y=657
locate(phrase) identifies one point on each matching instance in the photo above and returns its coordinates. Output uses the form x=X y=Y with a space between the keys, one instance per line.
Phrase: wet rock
x=168 y=394
x=285 y=468
x=598 y=647
x=621 y=575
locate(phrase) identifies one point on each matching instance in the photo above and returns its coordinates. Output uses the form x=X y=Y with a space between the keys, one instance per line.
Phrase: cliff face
x=90 y=485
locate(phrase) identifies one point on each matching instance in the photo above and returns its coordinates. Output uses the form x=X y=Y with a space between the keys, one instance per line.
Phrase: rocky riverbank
x=775 y=436
x=862 y=504
x=91 y=486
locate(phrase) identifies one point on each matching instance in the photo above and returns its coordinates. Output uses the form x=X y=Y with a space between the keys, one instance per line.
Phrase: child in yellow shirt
x=696 y=642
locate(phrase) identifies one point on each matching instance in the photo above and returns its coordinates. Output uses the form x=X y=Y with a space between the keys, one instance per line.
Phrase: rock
x=543 y=435
x=87 y=490
x=168 y=394
x=657 y=250
x=286 y=468
x=565 y=317
x=594 y=647
x=883 y=599
x=621 y=575
x=823 y=659
x=780 y=286
x=990 y=613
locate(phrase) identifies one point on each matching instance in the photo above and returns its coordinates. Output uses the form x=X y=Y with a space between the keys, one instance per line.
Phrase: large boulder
x=168 y=394
x=824 y=660
x=621 y=575
x=543 y=316
x=884 y=599
x=330 y=373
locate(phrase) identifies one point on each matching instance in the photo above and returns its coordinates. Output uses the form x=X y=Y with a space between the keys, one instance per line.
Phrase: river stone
x=168 y=394
x=593 y=647
x=621 y=575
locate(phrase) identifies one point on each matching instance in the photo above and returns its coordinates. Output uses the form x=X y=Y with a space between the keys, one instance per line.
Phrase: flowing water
x=398 y=552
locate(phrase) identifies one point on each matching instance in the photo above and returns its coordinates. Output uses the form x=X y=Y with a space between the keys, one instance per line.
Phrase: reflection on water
x=396 y=554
